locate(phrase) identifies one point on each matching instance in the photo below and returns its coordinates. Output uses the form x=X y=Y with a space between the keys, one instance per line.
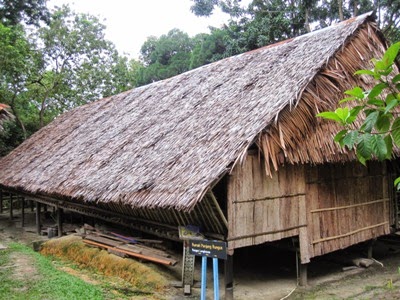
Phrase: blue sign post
x=214 y=249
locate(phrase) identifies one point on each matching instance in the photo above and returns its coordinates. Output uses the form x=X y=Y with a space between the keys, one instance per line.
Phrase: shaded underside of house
x=233 y=147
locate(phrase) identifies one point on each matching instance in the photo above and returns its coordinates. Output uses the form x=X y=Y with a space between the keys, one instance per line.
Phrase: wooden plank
x=130 y=253
x=103 y=240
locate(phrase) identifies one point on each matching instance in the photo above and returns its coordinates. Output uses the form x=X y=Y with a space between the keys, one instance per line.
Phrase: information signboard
x=214 y=249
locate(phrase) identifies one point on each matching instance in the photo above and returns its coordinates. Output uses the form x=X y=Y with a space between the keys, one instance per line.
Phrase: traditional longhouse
x=233 y=147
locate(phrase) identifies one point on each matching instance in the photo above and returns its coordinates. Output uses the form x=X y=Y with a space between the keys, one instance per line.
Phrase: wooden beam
x=38 y=225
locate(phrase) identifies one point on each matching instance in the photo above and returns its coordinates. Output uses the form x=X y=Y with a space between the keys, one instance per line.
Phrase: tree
x=75 y=63
x=378 y=110
x=165 y=56
x=18 y=62
x=13 y=12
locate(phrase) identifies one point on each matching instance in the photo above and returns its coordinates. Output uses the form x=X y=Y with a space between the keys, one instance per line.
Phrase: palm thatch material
x=165 y=144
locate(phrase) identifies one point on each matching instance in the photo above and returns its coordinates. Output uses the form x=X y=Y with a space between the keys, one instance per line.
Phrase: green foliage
x=10 y=137
x=377 y=110
x=166 y=56
x=12 y=12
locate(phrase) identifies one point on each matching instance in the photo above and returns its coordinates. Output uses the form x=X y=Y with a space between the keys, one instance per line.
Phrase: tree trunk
x=307 y=19
x=17 y=118
x=355 y=8
x=340 y=6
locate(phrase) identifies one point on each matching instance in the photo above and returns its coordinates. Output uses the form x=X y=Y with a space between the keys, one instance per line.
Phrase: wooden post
x=370 y=248
x=11 y=206
x=38 y=225
x=1 y=201
x=23 y=211
x=59 y=221
x=303 y=274
x=228 y=276
x=31 y=202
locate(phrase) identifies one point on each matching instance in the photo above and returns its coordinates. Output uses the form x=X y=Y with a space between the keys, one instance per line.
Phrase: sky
x=130 y=22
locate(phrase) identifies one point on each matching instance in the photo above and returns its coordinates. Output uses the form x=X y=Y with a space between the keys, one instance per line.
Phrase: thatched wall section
x=328 y=207
x=347 y=204
x=298 y=136
x=165 y=144
x=262 y=208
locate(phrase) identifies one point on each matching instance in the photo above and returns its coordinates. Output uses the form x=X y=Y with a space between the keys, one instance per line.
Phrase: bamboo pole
x=349 y=233
x=219 y=210
x=350 y=206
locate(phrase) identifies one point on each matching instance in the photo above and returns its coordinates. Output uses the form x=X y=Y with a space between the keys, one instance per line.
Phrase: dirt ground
x=266 y=272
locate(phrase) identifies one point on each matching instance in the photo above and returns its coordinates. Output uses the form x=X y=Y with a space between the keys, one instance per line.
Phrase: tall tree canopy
x=12 y=12
x=57 y=66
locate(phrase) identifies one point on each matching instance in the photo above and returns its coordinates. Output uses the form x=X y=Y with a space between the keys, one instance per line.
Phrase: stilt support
x=1 y=201
x=11 y=206
x=228 y=274
x=22 y=212
x=303 y=274
x=59 y=220
x=38 y=225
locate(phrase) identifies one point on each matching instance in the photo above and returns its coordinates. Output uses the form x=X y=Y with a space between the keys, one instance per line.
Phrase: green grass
x=49 y=283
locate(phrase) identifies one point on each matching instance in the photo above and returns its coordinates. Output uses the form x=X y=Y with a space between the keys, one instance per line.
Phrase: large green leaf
x=391 y=54
x=397 y=183
x=364 y=146
x=377 y=89
x=379 y=146
x=390 y=104
x=389 y=146
x=396 y=131
x=350 y=139
x=383 y=123
x=330 y=115
x=396 y=78
x=343 y=114
x=356 y=92
x=353 y=114
x=364 y=72
x=370 y=121
x=339 y=137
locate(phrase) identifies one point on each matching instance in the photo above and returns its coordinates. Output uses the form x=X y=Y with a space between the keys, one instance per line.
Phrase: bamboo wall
x=329 y=206
x=261 y=208
x=347 y=204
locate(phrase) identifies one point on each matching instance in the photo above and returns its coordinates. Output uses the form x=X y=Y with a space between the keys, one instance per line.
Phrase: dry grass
x=142 y=277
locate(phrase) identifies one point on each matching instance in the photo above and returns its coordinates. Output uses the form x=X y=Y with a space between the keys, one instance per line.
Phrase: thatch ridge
x=164 y=144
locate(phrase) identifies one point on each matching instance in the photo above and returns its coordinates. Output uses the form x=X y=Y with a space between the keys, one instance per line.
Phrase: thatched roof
x=164 y=144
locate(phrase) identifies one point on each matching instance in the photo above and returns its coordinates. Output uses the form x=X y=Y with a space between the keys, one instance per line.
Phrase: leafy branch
x=370 y=122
